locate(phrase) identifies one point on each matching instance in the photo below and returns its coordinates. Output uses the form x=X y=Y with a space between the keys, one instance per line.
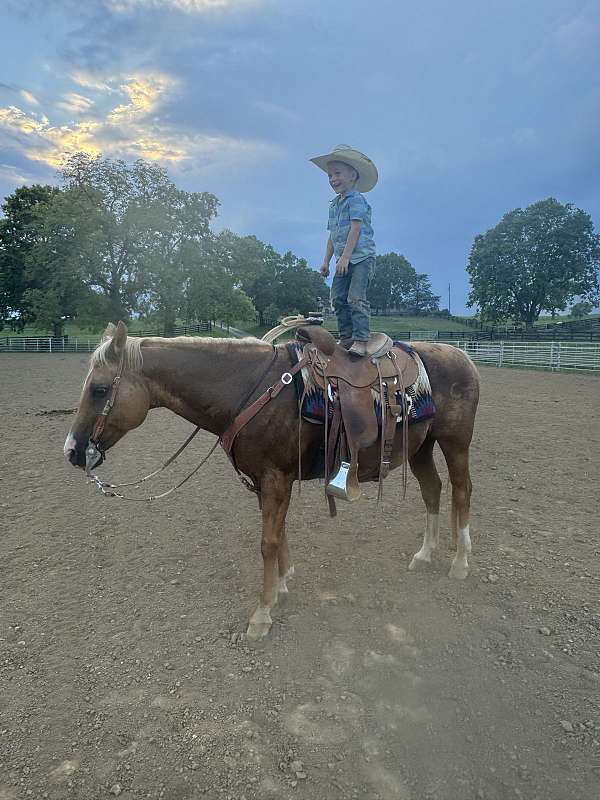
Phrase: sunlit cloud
x=29 y=98
x=132 y=129
x=89 y=81
x=144 y=92
x=41 y=141
x=75 y=103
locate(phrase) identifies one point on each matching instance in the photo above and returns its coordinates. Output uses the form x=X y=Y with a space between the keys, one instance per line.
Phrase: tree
x=213 y=292
x=396 y=285
x=299 y=288
x=254 y=265
x=421 y=299
x=536 y=259
x=142 y=233
x=580 y=310
x=21 y=229
x=275 y=283
x=391 y=283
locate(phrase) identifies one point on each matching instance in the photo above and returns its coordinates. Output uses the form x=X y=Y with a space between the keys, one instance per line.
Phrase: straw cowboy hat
x=367 y=171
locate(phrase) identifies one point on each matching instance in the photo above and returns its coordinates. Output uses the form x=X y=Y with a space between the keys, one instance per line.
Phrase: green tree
x=580 y=310
x=273 y=282
x=143 y=234
x=535 y=259
x=421 y=299
x=396 y=285
x=390 y=284
x=213 y=292
x=21 y=229
x=298 y=288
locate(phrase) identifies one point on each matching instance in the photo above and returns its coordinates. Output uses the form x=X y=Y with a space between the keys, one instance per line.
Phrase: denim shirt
x=341 y=211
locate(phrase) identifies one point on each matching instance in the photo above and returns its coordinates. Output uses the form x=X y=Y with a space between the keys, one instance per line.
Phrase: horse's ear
x=109 y=332
x=119 y=339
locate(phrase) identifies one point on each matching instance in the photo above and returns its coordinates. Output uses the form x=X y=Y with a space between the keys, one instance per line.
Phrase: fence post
x=501 y=353
x=558 y=357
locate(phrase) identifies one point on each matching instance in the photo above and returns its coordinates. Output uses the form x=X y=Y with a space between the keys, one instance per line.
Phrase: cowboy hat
x=367 y=171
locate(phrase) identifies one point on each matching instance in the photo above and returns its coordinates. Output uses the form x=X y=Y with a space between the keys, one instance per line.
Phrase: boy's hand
x=341 y=267
x=324 y=270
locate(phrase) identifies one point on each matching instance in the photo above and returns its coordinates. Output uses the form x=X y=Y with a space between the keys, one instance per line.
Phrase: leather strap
x=248 y=414
x=100 y=423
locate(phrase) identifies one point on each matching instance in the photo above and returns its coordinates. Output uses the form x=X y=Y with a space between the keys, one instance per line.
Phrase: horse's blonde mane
x=134 y=360
x=133 y=354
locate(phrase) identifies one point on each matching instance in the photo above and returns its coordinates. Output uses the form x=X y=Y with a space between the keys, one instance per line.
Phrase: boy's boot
x=358 y=349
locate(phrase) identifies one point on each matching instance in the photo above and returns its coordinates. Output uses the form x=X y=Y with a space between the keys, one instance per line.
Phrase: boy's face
x=342 y=177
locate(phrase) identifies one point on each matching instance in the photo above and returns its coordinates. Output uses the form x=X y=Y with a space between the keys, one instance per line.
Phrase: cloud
x=186 y=6
x=29 y=98
x=574 y=39
x=75 y=103
x=12 y=175
x=132 y=129
x=89 y=81
x=144 y=92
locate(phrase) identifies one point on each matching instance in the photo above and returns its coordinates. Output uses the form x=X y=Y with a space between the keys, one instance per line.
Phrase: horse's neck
x=205 y=384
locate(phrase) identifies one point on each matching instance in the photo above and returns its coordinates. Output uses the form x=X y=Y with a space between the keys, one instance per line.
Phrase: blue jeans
x=349 y=300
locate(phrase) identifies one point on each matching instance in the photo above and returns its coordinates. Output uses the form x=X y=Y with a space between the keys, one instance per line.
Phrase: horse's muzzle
x=74 y=450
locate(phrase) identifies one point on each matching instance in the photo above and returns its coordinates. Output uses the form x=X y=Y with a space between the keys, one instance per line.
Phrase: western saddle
x=385 y=370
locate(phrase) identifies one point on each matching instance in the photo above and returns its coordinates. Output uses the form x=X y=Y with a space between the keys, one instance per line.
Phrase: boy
x=351 y=241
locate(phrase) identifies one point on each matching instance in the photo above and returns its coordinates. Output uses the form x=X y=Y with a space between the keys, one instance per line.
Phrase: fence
x=541 y=355
x=46 y=344
x=50 y=344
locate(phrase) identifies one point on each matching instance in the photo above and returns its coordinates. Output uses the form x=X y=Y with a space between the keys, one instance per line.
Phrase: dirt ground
x=124 y=670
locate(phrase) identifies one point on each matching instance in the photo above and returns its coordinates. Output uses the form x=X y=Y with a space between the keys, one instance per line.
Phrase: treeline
x=118 y=240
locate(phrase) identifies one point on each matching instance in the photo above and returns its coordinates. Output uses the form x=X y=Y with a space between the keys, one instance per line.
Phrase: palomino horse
x=206 y=381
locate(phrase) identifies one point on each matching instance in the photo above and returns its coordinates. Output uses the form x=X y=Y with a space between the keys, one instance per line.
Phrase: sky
x=468 y=109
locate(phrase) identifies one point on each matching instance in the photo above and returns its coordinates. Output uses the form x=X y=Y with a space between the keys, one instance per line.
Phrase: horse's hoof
x=258 y=630
x=458 y=572
x=418 y=563
x=260 y=624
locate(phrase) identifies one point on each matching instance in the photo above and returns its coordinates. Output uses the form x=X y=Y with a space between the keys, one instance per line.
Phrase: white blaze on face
x=70 y=444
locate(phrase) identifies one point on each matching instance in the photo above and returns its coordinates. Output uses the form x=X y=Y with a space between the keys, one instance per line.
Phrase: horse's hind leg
x=457 y=459
x=424 y=469
x=275 y=490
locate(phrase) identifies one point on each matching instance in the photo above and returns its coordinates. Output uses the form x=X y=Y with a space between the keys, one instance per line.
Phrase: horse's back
x=454 y=384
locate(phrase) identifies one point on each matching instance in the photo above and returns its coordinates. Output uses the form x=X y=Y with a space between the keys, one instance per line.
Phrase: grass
x=556 y=320
x=401 y=323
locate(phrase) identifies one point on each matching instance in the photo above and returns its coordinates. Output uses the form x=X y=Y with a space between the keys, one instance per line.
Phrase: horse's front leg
x=275 y=490
x=285 y=568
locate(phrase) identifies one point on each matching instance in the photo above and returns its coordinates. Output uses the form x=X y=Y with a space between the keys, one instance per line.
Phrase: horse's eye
x=99 y=391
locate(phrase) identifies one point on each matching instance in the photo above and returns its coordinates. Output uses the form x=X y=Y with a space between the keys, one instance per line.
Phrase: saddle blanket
x=418 y=396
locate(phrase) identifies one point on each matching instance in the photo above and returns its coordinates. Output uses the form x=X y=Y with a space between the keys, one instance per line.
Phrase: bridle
x=95 y=453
